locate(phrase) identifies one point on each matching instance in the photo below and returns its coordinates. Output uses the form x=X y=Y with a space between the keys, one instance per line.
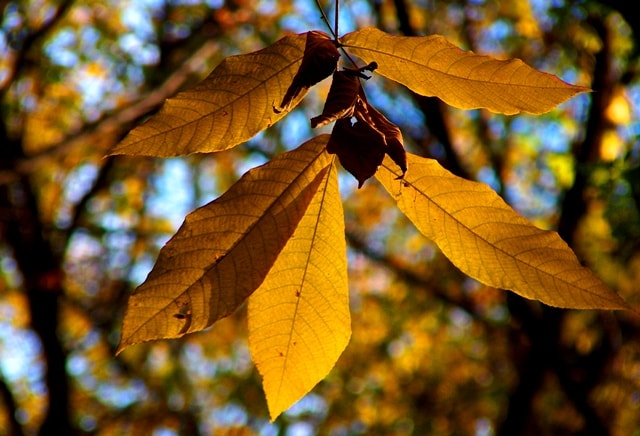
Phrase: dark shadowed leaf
x=359 y=146
x=319 y=62
x=341 y=100
x=392 y=136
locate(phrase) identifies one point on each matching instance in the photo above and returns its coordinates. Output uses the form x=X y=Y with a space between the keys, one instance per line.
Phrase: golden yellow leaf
x=223 y=250
x=299 y=321
x=228 y=107
x=489 y=241
x=432 y=66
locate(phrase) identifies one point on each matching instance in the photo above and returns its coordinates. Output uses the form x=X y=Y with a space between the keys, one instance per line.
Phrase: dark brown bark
x=542 y=353
x=14 y=428
x=41 y=270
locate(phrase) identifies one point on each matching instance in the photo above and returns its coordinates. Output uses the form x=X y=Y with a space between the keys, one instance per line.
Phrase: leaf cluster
x=276 y=237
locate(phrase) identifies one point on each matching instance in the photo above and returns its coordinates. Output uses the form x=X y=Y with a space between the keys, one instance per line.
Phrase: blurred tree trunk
x=536 y=349
x=538 y=327
x=40 y=266
x=42 y=274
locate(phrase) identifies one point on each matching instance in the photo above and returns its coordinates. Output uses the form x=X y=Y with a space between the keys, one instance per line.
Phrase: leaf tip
x=123 y=345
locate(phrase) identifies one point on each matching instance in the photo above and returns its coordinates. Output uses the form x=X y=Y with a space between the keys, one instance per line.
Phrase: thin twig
x=326 y=21
x=122 y=117
x=334 y=33
x=337 y=13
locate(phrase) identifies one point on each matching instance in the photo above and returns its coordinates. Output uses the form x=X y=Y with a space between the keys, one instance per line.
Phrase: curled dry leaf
x=341 y=101
x=318 y=62
x=359 y=146
x=392 y=136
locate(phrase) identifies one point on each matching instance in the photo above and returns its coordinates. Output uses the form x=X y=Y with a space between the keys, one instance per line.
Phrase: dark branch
x=14 y=427
x=431 y=108
x=410 y=277
x=544 y=350
x=23 y=46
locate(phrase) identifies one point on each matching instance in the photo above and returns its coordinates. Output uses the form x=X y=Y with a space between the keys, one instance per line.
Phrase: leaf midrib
x=259 y=220
x=304 y=274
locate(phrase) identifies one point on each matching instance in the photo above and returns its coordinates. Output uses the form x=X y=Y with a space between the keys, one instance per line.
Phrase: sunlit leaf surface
x=299 y=321
x=489 y=241
x=432 y=66
x=223 y=250
x=228 y=107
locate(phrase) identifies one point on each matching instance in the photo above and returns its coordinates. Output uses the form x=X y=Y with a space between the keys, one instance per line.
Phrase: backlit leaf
x=228 y=107
x=432 y=66
x=299 y=321
x=489 y=241
x=223 y=250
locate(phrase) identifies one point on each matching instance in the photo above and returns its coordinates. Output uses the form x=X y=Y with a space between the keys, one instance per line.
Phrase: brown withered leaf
x=392 y=136
x=318 y=62
x=359 y=146
x=341 y=100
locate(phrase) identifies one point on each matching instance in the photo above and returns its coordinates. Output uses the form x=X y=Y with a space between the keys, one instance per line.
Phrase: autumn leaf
x=489 y=241
x=432 y=66
x=359 y=146
x=230 y=106
x=299 y=320
x=319 y=62
x=223 y=250
x=392 y=136
x=361 y=143
x=341 y=100
x=277 y=236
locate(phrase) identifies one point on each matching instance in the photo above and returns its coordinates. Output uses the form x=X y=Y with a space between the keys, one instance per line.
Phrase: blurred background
x=432 y=352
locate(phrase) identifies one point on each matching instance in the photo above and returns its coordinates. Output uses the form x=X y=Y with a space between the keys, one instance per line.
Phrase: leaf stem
x=336 y=14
